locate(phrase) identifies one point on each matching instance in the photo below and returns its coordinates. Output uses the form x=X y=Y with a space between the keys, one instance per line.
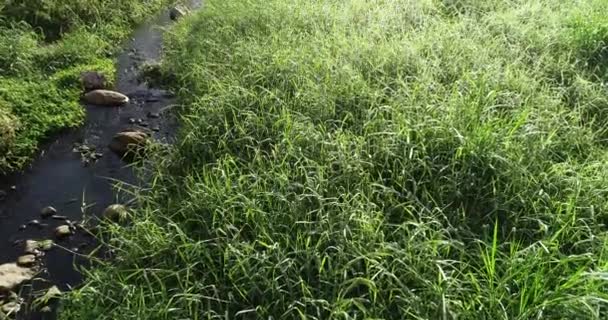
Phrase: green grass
x=387 y=159
x=44 y=46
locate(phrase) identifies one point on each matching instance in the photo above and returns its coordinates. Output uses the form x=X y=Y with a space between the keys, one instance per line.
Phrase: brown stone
x=116 y=213
x=12 y=275
x=105 y=98
x=47 y=212
x=63 y=231
x=128 y=141
x=177 y=13
x=27 y=260
x=34 y=247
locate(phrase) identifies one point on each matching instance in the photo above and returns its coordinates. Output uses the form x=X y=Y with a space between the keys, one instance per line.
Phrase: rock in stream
x=105 y=98
x=128 y=142
x=12 y=275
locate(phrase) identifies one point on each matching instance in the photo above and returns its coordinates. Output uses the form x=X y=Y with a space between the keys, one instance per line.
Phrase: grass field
x=383 y=159
x=44 y=46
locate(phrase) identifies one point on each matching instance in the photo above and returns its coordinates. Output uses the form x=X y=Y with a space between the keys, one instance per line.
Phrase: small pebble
x=144 y=124
x=139 y=121
x=48 y=211
x=58 y=217
x=63 y=231
x=156 y=129
x=34 y=223
x=22 y=227
x=34 y=247
x=13 y=188
x=153 y=115
x=132 y=120
x=31 y=246
x=116 y=213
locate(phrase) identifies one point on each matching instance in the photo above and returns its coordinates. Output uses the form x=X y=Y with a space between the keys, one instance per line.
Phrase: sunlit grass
x=373 y=160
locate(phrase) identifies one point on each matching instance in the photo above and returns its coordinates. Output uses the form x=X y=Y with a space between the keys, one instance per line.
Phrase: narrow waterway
x=58 y=177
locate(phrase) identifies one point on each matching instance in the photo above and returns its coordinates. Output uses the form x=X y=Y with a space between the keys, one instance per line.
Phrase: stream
x=58 y=177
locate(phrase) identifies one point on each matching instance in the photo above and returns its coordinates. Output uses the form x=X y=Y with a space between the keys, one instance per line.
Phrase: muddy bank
x=76 y=173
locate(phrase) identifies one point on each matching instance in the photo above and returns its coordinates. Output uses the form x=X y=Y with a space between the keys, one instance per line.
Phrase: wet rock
x=27 y=260
x=34 y=223
x=22 y=227
x=116 y=213
x=92 y=80
x=105 y=98
x=144 y=124
x=33 y=246
x=13 y=188
x=87 y=153
x=128 y=142
x=12 y=275
x=45 y=245
x=58 y=217
x=153 y=115
x=156 y=129
x=47 y=212
x=63 y=231
x=132 y=120
x=177 y=13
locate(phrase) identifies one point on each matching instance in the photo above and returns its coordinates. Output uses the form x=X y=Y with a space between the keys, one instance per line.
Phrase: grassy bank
x=389 y=159
x=44 y=46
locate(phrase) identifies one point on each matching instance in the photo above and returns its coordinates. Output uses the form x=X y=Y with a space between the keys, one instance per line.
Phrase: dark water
x=58 y=177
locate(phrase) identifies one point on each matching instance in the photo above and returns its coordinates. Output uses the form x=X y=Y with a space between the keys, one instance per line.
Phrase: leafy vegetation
x=44 y=46
x=387 y=159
